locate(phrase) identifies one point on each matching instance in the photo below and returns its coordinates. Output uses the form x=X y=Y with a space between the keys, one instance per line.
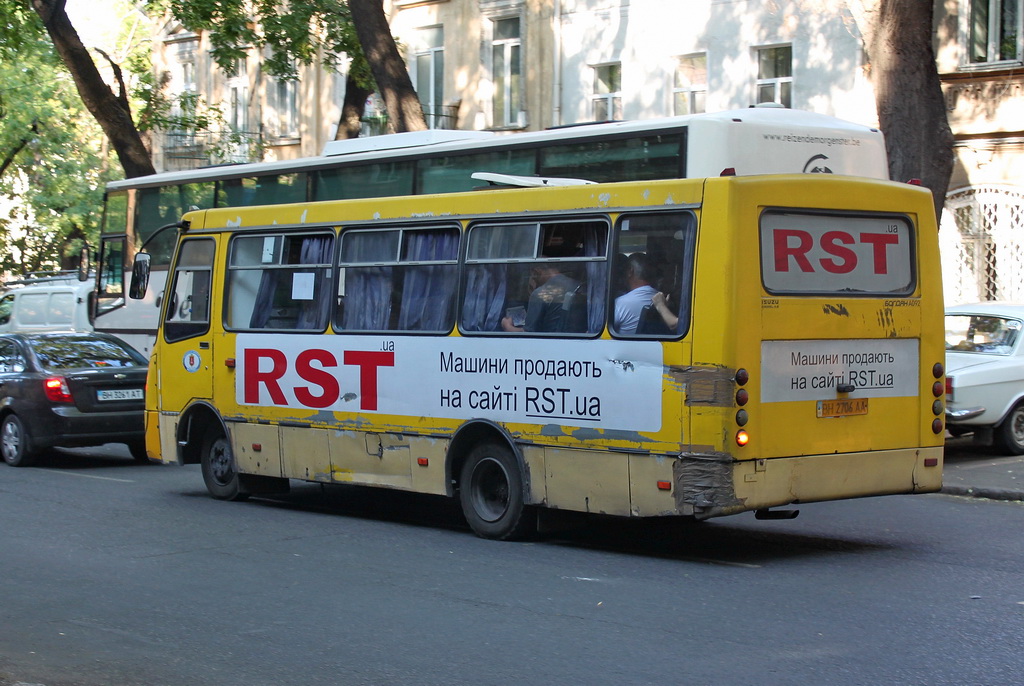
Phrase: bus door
x=187 y=353
x=842 y=364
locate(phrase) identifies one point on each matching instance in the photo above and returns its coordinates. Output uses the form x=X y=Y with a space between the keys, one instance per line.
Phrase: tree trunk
x=393 y=83
x=911 y=106
x=111 y=111
x=352 y=109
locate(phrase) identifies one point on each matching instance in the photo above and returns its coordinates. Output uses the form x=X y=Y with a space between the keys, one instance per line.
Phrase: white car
x=985 y=373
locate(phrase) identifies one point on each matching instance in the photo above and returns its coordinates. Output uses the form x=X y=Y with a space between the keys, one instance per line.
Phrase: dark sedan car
x=69 y=390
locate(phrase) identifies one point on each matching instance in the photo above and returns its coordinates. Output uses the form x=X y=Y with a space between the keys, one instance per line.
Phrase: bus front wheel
x=491 y=494
x=219 y=470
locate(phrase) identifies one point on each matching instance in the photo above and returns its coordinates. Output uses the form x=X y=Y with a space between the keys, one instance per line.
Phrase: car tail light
x=949 y=387
x=57 y=390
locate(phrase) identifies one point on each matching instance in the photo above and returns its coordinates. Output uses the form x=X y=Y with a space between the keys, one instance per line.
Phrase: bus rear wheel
x=491 y=494
x=219 y=471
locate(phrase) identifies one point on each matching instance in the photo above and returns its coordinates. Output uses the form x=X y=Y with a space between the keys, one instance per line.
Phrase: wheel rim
x=490 y=489
x=1017 y=427
x=11 y=441
x=221 y=466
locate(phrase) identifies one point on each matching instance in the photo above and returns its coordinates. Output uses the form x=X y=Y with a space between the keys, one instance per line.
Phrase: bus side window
x=280 y=282
x=401 y=279
x=654 y=268
x=537 y=278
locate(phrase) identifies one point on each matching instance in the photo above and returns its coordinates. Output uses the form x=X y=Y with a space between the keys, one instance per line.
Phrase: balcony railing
x=191 y=150
x=443 y=117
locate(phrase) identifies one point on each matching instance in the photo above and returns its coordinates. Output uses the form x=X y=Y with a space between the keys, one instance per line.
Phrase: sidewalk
x=978 y=472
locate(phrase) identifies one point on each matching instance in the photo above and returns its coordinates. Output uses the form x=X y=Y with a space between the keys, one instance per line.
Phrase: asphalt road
x=120 y=574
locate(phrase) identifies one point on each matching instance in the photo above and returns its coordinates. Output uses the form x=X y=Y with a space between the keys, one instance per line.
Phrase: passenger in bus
x=548 y=308
x=660 y=303
x=640 y=273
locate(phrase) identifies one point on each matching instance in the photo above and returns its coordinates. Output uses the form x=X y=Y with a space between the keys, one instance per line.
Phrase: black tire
x=138 y=451
x=15 y=442
x=491 y=491
x=1009 y=436
x=219 y=470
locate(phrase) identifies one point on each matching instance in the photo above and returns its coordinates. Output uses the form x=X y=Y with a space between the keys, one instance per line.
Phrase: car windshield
x=59 y=352
x=977 y=333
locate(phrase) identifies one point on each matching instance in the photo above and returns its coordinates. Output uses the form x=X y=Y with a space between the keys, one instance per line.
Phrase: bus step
x=775 y=514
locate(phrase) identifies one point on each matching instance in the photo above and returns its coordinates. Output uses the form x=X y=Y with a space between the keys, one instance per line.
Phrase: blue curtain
x=595 y=239
x=428 y=294
x=483 y=307
x=367 y=304
x=263 y=307
x=313 y=313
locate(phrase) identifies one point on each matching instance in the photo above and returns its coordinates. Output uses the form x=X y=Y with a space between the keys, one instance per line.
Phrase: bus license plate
x=842 y=408
x=120 y=394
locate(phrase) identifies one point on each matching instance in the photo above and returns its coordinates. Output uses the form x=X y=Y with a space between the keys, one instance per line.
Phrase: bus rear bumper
x=712 y=488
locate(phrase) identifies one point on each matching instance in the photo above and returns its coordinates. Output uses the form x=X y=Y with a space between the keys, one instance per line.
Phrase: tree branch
x=9 y=160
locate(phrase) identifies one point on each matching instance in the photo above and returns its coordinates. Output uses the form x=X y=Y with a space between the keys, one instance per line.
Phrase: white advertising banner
x=599 y=384
x=813 y=370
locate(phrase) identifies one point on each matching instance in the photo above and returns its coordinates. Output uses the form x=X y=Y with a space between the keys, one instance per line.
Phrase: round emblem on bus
x=192 y=361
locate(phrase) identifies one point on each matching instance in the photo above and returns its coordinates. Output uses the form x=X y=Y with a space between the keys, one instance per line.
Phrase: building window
x=993 y=31
x=506 y=66
x=428 y=75
x=607 y=98
x=285 y=111
x=184 y=95
x=238 y=97
x=775 y=75
x=691 y=85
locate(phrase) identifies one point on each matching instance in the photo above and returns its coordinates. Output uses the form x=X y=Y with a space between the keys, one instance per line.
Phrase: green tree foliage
x=53 y=165
x=293 y=32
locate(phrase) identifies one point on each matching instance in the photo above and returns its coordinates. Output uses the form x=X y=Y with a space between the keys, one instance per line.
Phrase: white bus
x=758 y=140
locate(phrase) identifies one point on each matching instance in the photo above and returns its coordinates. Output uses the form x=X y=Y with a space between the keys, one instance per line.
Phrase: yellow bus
x=687 y=347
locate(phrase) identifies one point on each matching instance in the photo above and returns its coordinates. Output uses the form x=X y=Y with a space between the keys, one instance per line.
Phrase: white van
x=61 y=305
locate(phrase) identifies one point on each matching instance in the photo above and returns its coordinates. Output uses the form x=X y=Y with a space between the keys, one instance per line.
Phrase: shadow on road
x=108 y=456
x=727 y=541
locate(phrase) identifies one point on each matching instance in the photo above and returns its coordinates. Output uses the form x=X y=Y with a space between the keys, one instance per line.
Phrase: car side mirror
x=140 y=276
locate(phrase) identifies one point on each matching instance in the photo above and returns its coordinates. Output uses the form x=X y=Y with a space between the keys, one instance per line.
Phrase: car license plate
x=842 y=408
x=119 y=394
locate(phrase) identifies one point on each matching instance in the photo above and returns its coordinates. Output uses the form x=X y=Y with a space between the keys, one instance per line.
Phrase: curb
x=989 y=493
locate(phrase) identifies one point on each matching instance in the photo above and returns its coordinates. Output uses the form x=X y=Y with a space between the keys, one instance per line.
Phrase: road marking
x=89 y=476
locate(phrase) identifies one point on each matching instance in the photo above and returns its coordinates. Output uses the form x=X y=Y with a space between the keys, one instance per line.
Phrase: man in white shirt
x=639 y=274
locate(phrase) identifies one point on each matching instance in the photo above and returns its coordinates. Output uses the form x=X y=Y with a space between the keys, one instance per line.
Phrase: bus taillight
x=742 y=398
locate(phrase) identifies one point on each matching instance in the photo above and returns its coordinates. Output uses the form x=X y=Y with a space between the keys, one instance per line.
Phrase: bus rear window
x=806 y=252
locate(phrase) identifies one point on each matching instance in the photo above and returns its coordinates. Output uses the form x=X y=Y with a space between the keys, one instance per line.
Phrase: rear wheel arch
x=489 y=475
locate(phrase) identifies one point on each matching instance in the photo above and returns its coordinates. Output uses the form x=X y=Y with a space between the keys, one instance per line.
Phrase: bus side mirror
x=140 y=276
